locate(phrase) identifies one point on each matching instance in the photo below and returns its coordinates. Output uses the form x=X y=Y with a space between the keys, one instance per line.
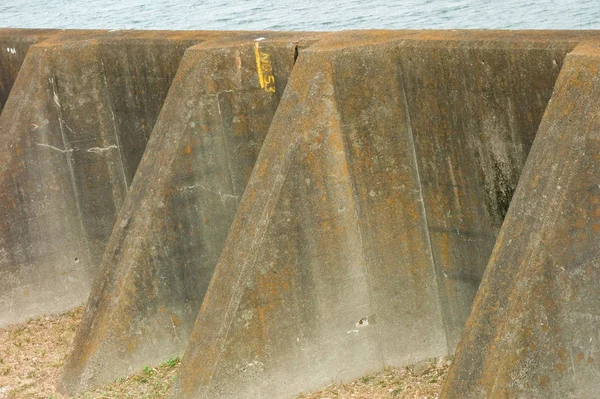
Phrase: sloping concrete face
x=14 y=44
x=534 y=328
x=472 y=133
x=168 y=237
x=73 y=128
x=371 y=212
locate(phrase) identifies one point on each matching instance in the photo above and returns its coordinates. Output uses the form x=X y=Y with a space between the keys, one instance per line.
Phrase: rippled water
x=300 y=15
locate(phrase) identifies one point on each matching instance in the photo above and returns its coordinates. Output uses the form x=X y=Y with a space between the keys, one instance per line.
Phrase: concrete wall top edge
x=587 y=48
x=503 y=38
x=59 y=38
x=26 y=35
x=326 y=41
x=303 y=40
x=25 y=32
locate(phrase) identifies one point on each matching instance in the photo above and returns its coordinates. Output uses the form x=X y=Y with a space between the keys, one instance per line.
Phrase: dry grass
x=423 y=381
x=32 y=355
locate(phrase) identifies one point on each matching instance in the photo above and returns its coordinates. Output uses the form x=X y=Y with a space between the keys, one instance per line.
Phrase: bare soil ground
x=32 y=355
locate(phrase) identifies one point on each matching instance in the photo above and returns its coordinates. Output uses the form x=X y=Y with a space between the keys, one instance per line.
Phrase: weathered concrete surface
x=73 y=130
x=169 y=235
x=14 y=44
x=369 y=217
x=535 y=331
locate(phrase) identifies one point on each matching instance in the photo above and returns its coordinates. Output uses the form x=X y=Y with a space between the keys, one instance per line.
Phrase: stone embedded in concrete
x=372 y=209
x=14 y=44
x=534 y=329
x=73 y=130
x=170 y=232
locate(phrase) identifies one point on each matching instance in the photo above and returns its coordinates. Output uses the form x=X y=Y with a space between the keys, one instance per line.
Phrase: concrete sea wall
x=370 y=215
x=74 y=129
x=290 y=209
x=534 y=330
x=169 y=236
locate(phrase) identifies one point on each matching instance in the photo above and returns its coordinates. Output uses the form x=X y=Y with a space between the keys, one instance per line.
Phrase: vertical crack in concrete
x=258 y=236
x=347 y=158
x=116 y=133
x=296 y=53
x=70 y=165
x=415 y=159
x=226 y=151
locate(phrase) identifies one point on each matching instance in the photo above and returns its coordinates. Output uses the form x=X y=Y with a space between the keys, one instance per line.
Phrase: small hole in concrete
x=363 y=322
x=76 y=260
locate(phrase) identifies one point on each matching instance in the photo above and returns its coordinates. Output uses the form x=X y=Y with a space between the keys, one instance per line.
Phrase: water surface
x=313 y=15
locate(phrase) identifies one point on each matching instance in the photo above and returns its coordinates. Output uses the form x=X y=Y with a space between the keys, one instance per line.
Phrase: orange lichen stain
x=544 y=381
x=336 y=141
x=531 y=346
x=560 y=367
x=579 y=223
x=273 y=285
x=26 y=292
x=187 y=150
x=595 y=227
x=562 y=354
x=413 y=213
x=211 y=86
x=131 y=347
x=262 y=311
x=175 y=319
x=567 y=110
x=162 y=309
x=324 y=198
x=579 y=357
x=205 y=220
x=390 y=201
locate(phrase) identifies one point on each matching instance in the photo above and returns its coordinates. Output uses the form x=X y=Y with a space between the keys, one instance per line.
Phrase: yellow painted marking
x=261 y=78
x=264 y=70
